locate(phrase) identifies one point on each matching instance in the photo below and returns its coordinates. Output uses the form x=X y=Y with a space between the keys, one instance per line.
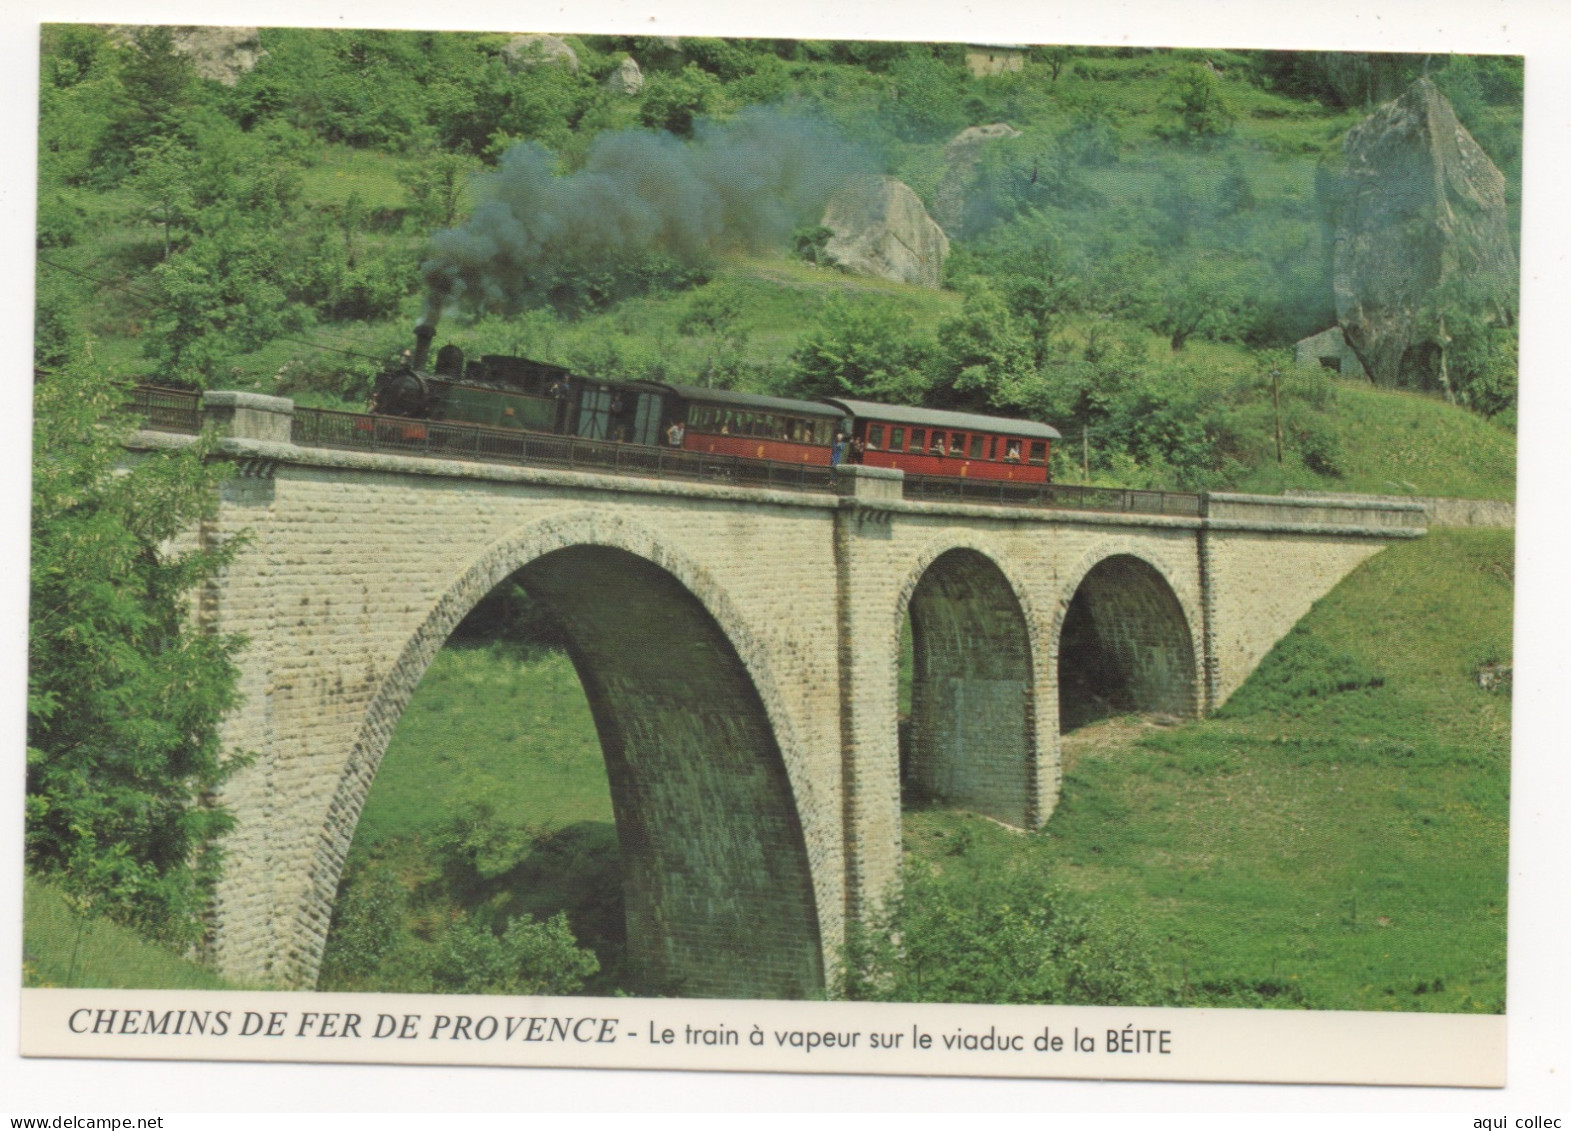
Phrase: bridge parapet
x=253 y=420
x=250 y=416
x=1265 y=512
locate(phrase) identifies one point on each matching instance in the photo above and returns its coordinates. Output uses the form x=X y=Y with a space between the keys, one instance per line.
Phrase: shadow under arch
x=717 y=882
x=973 y=735
x=1125 y=644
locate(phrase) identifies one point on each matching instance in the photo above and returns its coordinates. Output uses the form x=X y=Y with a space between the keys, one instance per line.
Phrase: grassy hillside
x=1158 y=228
x=62 y=948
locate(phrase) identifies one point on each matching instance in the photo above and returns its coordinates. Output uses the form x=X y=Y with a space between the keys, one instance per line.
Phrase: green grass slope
x=63 y=948
x=487 y=726
x=1343 y=848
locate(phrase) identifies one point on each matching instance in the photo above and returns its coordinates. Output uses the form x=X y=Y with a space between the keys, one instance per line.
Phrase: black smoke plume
x=535 y=233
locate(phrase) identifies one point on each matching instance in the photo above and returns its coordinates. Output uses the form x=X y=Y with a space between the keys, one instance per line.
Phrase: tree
x=860 y=350
x=674 y=102
x=157 y=88
x=988 y=355
x=1192 y=109
x=125 y=688
x=223 y=296
x=927 y=96
x=435 y=187
x=164 y=179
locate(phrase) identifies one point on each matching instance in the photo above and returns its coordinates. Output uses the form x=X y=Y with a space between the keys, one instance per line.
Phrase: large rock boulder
x=1418 y=204
x=527 y=51
x=626 y=79
x=881 y=229
x=222 y=54
x=961 y=154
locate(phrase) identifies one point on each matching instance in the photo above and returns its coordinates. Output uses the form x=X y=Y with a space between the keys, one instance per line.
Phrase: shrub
x=125 y=689
x=367 y=928
x=1009 y=939
x=526 y=957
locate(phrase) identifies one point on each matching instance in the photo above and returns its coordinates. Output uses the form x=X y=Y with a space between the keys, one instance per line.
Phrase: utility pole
x=1085 y=451
x=1276 y=411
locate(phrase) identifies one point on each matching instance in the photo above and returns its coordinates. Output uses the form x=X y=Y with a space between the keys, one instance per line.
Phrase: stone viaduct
x=739 y=649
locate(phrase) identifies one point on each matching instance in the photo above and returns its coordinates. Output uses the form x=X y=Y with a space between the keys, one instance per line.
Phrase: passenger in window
x=1013 y=454
x=957 y=445
x=938 y=444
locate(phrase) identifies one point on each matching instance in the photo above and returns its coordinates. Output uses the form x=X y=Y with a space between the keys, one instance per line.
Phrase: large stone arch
x=722 y=900
x=975 y=698
x=1126 y=639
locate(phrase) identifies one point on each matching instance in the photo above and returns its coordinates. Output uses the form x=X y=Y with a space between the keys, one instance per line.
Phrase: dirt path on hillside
x=1106 y=739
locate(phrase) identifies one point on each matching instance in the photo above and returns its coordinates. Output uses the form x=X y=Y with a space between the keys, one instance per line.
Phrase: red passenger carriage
x=757 y=427
x=924 y=441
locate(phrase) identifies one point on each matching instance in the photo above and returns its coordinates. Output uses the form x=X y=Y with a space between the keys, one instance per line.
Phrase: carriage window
x=976 y=446
x=897 y=439
x=1038 y=451
x=1011 y=451
x=875 y=436
x=917 y=436
x=957 y=444
x=992 y=448
x=937 y=446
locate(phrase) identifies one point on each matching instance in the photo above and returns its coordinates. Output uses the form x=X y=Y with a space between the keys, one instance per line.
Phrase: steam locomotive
x=517 y=393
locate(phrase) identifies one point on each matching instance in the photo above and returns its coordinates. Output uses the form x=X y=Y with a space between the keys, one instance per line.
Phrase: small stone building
x=994 y=58
x=1329 y=350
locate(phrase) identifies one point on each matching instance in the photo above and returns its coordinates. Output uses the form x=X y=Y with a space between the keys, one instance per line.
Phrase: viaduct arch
x=739 y=648
x=719 y=895
x=1126 y=642
x=973 y=735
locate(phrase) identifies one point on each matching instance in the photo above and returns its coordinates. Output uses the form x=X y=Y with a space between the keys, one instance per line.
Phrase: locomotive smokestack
x=424 y=332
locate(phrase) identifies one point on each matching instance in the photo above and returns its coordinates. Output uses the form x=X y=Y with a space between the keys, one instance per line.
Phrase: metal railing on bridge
x=315 y=427
x=939 y=488
x=167 y=410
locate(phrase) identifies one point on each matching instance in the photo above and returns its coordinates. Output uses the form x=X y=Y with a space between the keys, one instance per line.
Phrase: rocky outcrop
x=626 y=79
x=1418 y=204
x=960 y=158
x=1328 y=350
x=526 y=51
x=222 y=54
x=881 y=229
